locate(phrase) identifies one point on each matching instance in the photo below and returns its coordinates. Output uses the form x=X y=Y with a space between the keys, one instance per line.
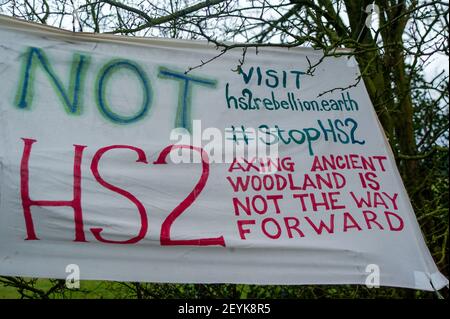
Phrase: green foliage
x=120 y=290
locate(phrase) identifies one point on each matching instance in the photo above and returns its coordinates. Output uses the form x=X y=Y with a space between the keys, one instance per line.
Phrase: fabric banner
x=155 y=160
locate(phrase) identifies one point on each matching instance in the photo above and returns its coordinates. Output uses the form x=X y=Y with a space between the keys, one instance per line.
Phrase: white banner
x=132 y=159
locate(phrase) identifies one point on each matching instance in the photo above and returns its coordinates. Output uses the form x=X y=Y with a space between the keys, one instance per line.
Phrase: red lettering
x=243 y=231
x=329 y=228
x=27 y=202
x=264 y=228
x=348 y=217
x=289 y=227
x=167 y=224
x=142 y=212
x=372 y=219
x=391 y=226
